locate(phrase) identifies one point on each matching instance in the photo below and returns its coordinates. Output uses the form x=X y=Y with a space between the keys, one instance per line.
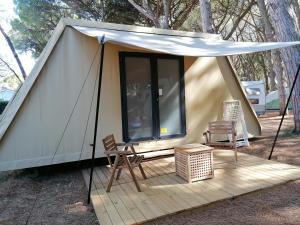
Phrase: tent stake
x=96 y=119
x=285 y=109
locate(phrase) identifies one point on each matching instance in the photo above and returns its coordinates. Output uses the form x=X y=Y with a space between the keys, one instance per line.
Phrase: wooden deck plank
x=242 y=184
x=192 y=197
x=128 y=212
x=257 y=178
x=164 y=193
x=145 y=203
x=203 y=189
x=167 y=195
x=275 y=171
x=261 y=174
x=134 y=211
x=119 y=205
x=97 y=202
x=148 y=171
x=112 y=210
x=162 y=197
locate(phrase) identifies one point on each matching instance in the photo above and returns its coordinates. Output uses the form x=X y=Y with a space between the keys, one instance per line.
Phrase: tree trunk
x=297 y=11
x=166 y=4
x=206 y=16
x=275 y=65
x=283 y=19
x=271 y=72
x=146 y=10
x=13 y=50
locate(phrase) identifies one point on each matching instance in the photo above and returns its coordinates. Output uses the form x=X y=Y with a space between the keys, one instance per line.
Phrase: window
x=254 y=101
x=152 y=94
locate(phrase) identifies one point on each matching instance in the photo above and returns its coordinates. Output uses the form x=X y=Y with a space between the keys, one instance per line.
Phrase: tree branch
x=146 y=11
x=12 y=48
x=237 y=21
x=11 y=69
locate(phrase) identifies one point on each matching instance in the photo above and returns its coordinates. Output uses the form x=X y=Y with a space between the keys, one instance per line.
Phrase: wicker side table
x=194 y=162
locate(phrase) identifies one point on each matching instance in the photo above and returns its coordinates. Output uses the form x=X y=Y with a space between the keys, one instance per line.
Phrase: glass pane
x=169 y=96
x=139 y=99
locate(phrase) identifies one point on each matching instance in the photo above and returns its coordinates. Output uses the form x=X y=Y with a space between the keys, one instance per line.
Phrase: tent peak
x=141 y=29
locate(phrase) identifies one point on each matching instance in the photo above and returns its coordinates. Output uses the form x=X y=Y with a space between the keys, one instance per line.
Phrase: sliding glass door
x=168 y=73
x=152 y=93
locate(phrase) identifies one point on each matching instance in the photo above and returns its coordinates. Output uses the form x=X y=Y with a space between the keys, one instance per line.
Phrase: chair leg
x=235 y=148
x=113 y=173
x=235 y=157
x=118 y=174
x=132 y=173
x=142 y=171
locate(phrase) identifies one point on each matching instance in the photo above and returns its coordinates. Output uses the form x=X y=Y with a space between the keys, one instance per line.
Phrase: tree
x=35 y=23
x=206 y=16
x=167 y=14
x=228 y=15
x=276 y=65
x=38 y=18
x=5 y=67
x=297 y=11
x=284 y=19
x=112 y=11
x=13 y=50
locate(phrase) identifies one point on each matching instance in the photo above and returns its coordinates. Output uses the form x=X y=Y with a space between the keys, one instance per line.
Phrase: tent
x=272 y=100
x=51 y=119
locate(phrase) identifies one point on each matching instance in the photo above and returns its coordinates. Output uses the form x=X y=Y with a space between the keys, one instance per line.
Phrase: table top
x=192 y=148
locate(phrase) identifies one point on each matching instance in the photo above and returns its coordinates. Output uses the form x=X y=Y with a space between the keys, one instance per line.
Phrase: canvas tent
x=52 y=117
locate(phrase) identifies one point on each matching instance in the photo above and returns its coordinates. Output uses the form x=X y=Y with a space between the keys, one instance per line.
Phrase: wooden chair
x=124 y=158
x=227 y=128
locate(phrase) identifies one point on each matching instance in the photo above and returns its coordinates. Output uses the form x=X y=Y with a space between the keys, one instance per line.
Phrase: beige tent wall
x=36 y=132
x=232 y=82
x=56 y=115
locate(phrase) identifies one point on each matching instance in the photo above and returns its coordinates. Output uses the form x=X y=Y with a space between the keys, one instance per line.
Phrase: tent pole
x=285 y=110
x=96 y=119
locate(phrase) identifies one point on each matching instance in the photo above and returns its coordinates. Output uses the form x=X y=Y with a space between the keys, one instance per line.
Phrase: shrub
x=2 y=105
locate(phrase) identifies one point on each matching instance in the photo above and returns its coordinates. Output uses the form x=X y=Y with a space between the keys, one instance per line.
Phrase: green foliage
x=38 y=18
x=113 y=11
x=2 y=105
x=10 y=81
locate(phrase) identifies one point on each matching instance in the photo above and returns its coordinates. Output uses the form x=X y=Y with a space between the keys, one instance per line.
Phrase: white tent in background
x=51 y=118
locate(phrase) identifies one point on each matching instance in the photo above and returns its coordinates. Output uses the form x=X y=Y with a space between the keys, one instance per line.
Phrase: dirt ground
x=58 y=195
x=287 y=148
x=45 y=197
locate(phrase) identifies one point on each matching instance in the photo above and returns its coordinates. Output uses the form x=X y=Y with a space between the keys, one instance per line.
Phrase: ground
x=287 y=148
x=45 y=197
x=58 y=195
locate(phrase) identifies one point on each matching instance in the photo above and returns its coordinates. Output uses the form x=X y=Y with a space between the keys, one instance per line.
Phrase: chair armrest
x=117 y=152
x=127 y=144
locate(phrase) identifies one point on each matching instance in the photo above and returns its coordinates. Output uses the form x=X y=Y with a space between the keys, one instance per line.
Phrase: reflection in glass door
x=138 y=97
x=168 y=73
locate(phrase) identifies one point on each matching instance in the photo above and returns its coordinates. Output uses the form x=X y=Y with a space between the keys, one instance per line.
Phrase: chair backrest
x=222 y=127
x=232 y=110
x=109 y=144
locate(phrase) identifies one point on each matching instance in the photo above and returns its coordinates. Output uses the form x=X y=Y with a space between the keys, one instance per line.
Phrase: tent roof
x=177 y=44
x=166 y=35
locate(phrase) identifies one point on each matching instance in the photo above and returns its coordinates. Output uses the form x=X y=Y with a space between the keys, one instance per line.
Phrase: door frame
x=155 y=95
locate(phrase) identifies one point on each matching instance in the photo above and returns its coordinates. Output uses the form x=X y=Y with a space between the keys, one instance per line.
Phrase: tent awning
x=180 y=45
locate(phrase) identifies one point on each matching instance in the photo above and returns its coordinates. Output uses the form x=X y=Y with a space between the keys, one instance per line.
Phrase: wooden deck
x=164 y=193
